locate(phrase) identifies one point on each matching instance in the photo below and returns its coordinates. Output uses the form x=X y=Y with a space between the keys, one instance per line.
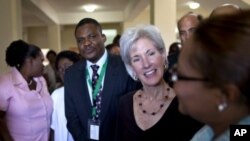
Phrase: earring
x=222 y=106
x=166 y=65
x=135 y=77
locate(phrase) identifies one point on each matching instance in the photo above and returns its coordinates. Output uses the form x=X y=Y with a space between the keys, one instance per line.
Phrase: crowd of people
x=140 y=92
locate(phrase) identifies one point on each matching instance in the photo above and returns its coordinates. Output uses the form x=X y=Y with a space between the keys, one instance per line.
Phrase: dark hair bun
x=16 y=53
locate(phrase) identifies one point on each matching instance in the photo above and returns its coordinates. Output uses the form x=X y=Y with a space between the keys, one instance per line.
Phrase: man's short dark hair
x=89 y=21
x=51 y=52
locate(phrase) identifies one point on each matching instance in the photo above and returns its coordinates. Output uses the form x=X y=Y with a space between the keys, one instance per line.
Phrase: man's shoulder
x=78 y=65
x=115 y=60
x=114 y=57
x=75 y=68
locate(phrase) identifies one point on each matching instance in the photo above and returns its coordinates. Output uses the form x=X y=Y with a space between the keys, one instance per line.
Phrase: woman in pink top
x=25 y=103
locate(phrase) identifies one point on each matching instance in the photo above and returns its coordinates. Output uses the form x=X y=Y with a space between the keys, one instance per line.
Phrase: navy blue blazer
x=117 y=82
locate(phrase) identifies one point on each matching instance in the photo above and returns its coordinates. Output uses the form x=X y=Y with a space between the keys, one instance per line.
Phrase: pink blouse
x=28 y=112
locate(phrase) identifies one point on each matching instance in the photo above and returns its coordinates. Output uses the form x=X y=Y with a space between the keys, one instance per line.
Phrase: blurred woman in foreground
x=212 y=77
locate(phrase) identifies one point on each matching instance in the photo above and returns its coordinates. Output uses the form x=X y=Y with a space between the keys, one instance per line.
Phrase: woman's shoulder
x=4 y=79
x=6 y=87
x=5 y=82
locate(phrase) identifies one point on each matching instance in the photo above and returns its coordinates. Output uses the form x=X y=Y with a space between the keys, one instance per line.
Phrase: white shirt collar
x=100 y=62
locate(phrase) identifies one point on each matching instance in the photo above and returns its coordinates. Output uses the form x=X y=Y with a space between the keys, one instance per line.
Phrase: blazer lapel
x=107 y=93
x=83 y=94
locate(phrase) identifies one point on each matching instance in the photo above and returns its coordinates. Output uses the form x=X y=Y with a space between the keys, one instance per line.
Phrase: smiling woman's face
x=63 y=64
x=147 y=62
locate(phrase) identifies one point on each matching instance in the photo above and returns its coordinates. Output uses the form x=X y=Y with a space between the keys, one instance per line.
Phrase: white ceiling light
x=193 y=4
x=90 y=7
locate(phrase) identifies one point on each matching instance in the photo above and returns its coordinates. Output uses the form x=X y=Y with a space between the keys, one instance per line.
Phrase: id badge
x=93 y=129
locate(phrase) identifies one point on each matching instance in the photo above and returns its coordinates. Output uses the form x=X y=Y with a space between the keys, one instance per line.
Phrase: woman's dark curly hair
x=18 y=51
x=71 y=55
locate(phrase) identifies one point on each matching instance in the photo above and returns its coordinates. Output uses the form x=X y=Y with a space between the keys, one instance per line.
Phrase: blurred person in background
x=50 y=74
x=116 y=40
x=64 y=60
x=187 y=24
x=113 y=49
x=173 y=54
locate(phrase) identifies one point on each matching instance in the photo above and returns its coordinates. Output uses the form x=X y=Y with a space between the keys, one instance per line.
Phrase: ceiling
x=63 y=12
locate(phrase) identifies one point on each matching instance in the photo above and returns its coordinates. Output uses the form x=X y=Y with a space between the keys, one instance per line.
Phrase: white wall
x=142 y=18
x=68 y=37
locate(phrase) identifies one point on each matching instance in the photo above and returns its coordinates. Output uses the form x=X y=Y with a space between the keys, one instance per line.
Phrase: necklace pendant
x=161 y=105
x=30 y=82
